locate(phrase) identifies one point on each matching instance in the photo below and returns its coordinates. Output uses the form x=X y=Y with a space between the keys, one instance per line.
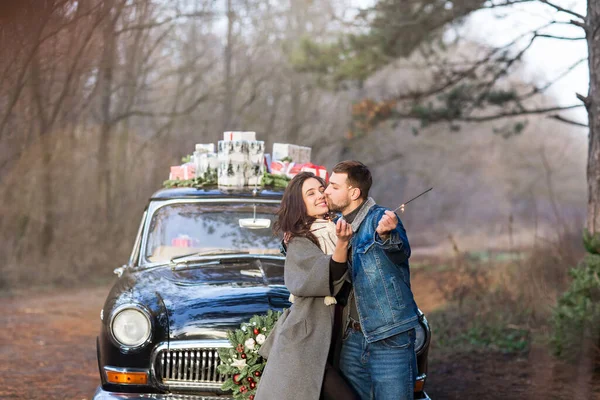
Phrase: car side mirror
x=119 y=271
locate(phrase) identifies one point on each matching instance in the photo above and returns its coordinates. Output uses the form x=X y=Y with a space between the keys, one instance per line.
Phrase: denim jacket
x=381 y=276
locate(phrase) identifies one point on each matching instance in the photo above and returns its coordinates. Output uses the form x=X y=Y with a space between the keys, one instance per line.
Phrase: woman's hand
x=343 y=231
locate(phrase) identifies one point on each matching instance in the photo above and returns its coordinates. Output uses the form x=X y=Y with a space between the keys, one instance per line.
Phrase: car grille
x=189 y=365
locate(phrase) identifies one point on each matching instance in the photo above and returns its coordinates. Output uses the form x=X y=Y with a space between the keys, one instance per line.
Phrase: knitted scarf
x=324 y=231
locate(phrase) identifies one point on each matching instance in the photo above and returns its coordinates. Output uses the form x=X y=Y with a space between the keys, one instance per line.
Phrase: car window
x=185 y=228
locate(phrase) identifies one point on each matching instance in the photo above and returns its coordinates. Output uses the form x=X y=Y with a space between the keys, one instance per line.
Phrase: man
x=377 y=355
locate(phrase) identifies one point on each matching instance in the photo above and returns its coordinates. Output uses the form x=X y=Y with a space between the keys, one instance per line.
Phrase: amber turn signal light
x=127 y=378
x=419 y=385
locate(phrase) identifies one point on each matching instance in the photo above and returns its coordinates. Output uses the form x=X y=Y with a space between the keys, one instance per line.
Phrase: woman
x=315 y=268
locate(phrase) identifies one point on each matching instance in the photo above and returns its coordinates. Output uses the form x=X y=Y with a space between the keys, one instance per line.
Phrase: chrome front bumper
x=104 y=395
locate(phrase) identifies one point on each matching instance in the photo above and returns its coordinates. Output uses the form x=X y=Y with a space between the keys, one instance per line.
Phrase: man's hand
x=386 y=224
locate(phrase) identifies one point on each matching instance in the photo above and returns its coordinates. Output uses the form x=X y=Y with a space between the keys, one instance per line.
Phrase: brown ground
x=47 y=351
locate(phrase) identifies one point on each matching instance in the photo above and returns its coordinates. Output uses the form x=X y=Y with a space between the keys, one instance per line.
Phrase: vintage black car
x=203 y=262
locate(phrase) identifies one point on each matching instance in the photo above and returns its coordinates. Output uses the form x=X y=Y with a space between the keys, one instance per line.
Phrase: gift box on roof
x=318 y=170
x=239 y=135
x=182 y=172
x=207 y=163
x=304 y=154
x=279 y=167
x=205 y=147
x=293 y=169
x=284 y=151
x=297 y=154
x=233 y=150
x=256 y=151
x=231 y=173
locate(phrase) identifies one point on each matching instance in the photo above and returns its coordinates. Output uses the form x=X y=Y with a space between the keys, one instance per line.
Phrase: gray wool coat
x=297 y=347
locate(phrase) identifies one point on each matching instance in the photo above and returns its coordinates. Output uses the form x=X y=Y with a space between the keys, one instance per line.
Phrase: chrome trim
x=138 y=239
x=125 y=370
x=101 y=394
x=180 y=350
x=215 y=260
x=425 y=324
x=129 y=349
x=155 y=205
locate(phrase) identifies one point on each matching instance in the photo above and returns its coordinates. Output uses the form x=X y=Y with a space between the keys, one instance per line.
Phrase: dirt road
x=47 y=351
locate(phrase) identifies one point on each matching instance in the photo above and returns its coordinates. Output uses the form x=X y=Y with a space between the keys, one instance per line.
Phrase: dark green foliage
x=255 y=330
x=591 y=242
x=268 y=180
x=576 y=318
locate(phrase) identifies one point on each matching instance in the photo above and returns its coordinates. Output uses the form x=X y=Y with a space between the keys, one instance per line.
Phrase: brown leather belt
x=355 y=325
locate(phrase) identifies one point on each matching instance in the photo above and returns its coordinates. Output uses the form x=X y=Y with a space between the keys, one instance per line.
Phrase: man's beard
x=336 y=207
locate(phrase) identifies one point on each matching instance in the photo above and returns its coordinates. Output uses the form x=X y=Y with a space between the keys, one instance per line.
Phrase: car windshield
x=182 y=229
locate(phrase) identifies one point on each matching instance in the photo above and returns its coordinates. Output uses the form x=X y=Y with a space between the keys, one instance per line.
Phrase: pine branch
x=524 y=111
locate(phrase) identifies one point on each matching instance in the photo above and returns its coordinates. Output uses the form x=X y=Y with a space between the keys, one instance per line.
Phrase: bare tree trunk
x=47 y=235
x=228 y=101
x=593 y=108
x=134 y=76
x=106 y=76
x=297 y=27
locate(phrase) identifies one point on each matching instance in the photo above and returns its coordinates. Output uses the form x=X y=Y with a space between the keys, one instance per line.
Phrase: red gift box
x=318 y=170
x=279 y=167
x=184 y=172
x=294 y=169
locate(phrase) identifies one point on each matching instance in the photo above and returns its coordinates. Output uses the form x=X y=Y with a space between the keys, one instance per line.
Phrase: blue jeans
x=382 y=370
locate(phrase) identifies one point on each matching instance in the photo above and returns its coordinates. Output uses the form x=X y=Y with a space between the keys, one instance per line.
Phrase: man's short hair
x=359 y=175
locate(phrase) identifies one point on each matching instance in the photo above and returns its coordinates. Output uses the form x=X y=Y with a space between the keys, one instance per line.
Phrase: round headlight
x=420 y=338
x=131 y=327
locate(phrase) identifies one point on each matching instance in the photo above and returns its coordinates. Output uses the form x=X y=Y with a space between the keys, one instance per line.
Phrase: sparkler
x=414 y=198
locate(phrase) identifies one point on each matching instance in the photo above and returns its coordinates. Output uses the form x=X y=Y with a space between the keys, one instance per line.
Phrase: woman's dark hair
x=293 y=219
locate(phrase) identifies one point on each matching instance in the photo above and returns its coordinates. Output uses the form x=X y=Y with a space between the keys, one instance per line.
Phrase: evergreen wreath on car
x=241 y=363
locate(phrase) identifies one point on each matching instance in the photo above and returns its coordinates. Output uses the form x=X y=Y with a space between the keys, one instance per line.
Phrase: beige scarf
x=324 y=231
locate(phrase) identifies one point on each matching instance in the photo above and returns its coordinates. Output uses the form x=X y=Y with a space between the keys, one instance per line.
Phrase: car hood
x=204 y=300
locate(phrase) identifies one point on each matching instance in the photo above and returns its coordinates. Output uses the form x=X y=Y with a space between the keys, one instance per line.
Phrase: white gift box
x=256 y=151
x=205 y=147
x=239 y=135
x=231 y=173
x=304 y=154
x=254 y=173
x=207 y=162
x=283 y=150
x=234 y=150
x=298 y=154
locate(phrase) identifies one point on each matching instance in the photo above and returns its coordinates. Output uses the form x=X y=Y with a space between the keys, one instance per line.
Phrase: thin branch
x=156 y=24
x=579 y=24
x=566 y=72
x=586 y=100
x=559 y=8
x=568 y=121
x=560 y=37
x=507 y=3
x=518 y=113
x=140 y=113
